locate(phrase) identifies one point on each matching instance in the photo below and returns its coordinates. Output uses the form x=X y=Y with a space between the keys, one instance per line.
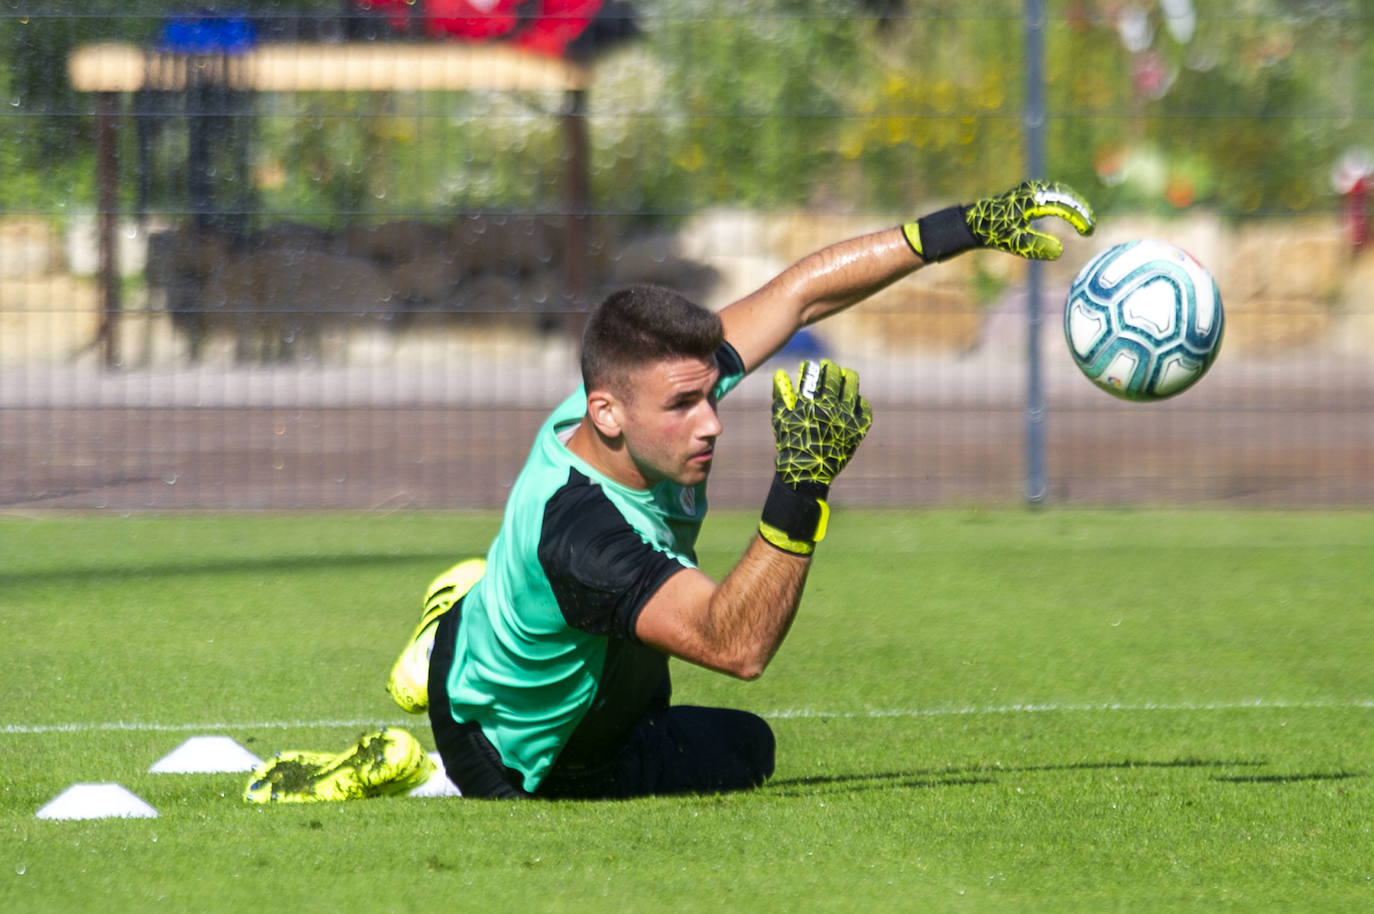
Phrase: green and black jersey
x=546 y=654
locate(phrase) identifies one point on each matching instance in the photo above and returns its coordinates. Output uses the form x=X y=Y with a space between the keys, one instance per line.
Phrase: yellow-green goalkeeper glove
x=818 y=425
x=1003 y=222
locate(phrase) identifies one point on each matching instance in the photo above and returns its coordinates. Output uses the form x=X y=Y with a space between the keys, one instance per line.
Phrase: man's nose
x=711 y=426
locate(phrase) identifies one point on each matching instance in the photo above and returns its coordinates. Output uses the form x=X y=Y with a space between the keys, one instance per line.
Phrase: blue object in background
x=803 y=345
x=208 y=35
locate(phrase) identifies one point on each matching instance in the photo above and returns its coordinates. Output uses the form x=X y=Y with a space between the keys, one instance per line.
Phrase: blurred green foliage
x=862 y=104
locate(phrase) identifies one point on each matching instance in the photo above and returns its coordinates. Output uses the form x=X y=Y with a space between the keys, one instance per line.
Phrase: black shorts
x=672 y=749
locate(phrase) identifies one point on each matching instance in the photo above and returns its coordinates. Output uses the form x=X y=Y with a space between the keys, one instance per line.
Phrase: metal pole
x=1035 y=168
x=107 y=222
x=578 y=196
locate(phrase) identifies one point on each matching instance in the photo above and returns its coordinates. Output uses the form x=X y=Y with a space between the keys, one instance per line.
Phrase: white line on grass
x=1042 y=708
x=786 y=714
x=129 y=726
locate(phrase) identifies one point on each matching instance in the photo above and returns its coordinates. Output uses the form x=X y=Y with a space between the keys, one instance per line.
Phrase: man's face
x=670 y=423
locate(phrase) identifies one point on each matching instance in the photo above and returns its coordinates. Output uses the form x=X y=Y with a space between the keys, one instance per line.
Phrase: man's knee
x=758 y=747
x=748 y=738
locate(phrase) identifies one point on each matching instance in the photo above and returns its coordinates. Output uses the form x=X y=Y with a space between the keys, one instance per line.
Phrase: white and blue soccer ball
x=1144 y=320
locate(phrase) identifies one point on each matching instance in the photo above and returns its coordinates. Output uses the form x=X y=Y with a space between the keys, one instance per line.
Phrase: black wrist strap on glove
x=940 y=235
x=794 y=518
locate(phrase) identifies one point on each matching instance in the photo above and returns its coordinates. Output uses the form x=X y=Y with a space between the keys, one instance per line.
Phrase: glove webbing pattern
x=1000 y=222
x=1003 y=221
x=816 y=450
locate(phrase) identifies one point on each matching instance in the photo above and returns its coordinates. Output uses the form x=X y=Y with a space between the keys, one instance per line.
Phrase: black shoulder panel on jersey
x=601 y=570
x=728 y=360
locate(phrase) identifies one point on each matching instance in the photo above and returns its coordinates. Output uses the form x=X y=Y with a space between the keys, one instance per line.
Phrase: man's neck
x=610 y=461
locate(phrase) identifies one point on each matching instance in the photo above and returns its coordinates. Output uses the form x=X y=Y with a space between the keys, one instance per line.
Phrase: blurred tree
x=868 y=104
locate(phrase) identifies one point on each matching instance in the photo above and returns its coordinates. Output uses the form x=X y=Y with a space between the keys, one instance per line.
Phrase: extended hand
x=1002 y=222
x=819 y=423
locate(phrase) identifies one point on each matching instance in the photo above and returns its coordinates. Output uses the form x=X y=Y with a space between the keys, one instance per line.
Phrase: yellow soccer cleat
x=384 y=762
x=409 y=682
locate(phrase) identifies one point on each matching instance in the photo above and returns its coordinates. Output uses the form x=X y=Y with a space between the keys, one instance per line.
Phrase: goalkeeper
x=544 y=666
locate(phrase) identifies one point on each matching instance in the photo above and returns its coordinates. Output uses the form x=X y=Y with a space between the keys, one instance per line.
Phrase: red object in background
x=397 y=12
x=480 y=21
x=562 y=22
x=539 y=26
x=1357 y=212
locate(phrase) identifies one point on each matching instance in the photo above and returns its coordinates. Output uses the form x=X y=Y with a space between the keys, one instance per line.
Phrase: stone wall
x=296 y=292
x=1295 y=284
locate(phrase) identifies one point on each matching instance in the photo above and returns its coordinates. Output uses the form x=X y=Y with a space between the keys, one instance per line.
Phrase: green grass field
x=1023 y=711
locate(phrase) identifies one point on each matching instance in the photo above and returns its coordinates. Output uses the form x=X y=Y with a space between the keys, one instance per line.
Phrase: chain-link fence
x=335 y=254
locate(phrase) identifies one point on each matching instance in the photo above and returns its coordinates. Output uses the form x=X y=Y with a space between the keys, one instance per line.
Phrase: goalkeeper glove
x=1002 y=222
x=817 y=425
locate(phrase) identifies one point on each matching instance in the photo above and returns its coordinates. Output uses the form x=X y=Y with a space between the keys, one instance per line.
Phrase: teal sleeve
x=731 y=370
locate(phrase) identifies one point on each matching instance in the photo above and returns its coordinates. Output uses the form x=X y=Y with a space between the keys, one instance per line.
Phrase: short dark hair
x=642 y=324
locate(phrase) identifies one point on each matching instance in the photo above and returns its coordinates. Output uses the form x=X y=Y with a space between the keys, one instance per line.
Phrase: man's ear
x=605 y=412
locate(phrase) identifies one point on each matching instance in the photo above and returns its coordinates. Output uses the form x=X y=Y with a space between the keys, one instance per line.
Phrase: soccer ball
x=1144 y=320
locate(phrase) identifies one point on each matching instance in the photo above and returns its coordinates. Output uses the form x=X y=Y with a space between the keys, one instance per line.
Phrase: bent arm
x=815 y=287
x=735 y=626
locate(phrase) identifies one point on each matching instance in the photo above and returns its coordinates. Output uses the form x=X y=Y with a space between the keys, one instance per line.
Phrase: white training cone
x=206 y=755
x=97 y=801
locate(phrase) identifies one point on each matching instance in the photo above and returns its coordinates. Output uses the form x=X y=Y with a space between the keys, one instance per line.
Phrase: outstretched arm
x=815 y=287
x=843 y=274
